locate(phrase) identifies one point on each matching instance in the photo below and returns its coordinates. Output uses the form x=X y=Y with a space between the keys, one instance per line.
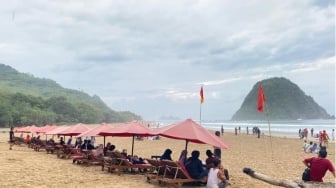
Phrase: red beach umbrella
x=75 y=130
x=190 y=131
x=132 y=129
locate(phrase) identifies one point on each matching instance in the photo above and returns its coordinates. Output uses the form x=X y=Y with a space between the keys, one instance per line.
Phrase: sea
x=277 y=128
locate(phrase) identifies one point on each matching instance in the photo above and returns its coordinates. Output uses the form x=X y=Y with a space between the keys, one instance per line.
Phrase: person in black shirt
x=11 y=138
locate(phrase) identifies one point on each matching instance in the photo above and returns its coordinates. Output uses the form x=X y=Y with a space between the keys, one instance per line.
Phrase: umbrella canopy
x=75 y=130
x=191 y=132
x=132 y=129
x=46 y=128
x=56 y=130
x=28 y=129
x=96 y=130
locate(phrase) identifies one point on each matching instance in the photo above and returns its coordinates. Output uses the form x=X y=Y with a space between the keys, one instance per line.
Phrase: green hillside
x=26 y=99
x=284 y=101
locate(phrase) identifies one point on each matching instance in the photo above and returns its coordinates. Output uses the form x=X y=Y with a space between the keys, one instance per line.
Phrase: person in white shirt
x=216 y=177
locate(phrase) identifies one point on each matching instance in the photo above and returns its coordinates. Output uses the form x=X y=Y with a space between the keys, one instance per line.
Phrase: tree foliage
x=26 y=100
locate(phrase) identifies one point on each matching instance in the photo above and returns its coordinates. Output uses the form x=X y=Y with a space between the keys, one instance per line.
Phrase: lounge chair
x=158 y=170
x=123 y=165
x=176 y=174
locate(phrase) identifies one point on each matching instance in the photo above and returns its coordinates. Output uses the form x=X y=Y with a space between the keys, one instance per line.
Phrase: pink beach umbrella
x=190 y=131
x=56 y=130
x=75 y=130
x=45 y=129
x=131 y=129
x=96 y=130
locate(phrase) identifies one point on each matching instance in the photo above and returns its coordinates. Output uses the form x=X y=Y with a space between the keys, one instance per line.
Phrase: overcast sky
x=151 y=57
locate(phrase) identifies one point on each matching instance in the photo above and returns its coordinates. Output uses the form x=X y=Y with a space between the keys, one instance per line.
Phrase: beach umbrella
x=131 y=129
x=74 y=130
x=190 y=131
x=56 y=130
x=96 y=130
x=28 y=129
x=46 y=129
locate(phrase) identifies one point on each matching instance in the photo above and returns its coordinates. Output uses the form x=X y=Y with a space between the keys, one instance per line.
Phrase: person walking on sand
x=333 y=134
x=319 y=166
x=11 y=138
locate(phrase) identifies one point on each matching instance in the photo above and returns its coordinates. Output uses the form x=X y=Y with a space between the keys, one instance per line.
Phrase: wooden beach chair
x=158 y=170
x=175 y=174
x=121 y=164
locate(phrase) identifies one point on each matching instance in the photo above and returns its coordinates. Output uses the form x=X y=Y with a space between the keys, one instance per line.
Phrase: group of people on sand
x=211 y=171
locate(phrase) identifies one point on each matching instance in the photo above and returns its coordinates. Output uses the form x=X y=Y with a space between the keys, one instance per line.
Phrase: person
x=217 y=151
x=11 y=138
x=319 y=166
x=90 y=146
x=247 y=130
x=99 y=152
x=78 y=142
x=222 y=130
x=312 y=132
x=216 y=177
x=61 y=141
x=305 y=145
x=28 y=139
x=209 y=161
x=183 y=157
x=166 y=155
x=69 y=140
x=309 y=147
x=333 y=134
x=194 y=166
x=325 y=138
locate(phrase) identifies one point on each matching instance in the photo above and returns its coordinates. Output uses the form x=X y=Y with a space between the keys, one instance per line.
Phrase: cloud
x=158 y=53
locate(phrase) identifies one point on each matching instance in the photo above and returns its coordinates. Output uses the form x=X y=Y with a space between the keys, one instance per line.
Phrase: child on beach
x=216 y=177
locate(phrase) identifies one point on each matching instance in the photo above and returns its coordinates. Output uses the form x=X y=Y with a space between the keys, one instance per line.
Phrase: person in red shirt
x=319 y=166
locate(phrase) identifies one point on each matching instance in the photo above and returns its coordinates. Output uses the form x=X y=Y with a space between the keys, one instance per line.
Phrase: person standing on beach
x=312 y=132
x=333 y=134
x=319 y=166
x=217 y=151
x=247 y=130
x=222 y=130
x=11 y=138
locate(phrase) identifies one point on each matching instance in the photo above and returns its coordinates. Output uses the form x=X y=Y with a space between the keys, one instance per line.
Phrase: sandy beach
x=279 y=157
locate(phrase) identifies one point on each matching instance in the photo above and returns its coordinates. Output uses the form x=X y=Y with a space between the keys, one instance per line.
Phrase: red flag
x=201 y=95
x=261 y=99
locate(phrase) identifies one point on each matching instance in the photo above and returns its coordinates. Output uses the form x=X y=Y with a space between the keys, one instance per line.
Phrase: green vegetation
x=26 y=100
x=284 y=101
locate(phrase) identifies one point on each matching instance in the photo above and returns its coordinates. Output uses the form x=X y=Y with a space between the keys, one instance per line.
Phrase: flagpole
x=269 y=127
x=200 y=113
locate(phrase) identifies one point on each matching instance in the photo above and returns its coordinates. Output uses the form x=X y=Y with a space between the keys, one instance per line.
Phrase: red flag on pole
x=201 y=95
x=261 y=99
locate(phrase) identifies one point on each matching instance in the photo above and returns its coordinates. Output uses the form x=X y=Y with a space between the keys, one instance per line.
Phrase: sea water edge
x=288 y=128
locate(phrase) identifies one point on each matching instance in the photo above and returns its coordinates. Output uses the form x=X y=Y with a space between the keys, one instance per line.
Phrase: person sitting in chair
x=166 y=155
x=194 y=166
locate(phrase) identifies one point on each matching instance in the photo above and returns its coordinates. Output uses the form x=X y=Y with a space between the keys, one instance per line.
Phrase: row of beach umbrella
x=187 y=130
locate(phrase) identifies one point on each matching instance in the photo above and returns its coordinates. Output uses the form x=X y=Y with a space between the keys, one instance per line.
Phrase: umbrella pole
x=132 y=145
x=104 y=141
x=186 y=146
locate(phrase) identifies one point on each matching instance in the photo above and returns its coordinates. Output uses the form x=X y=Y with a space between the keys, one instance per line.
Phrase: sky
x=151 y=57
